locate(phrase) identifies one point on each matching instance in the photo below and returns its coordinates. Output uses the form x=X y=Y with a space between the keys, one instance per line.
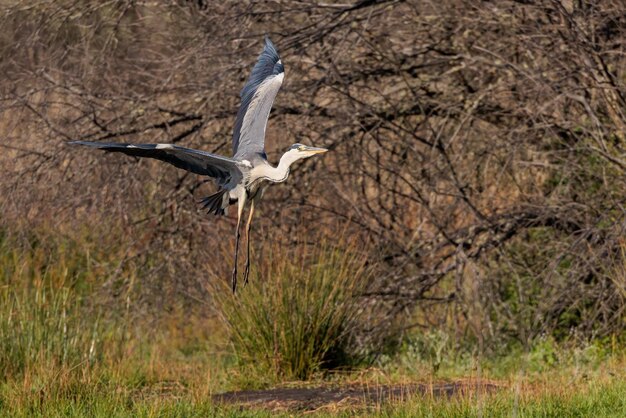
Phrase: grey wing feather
x=257 y=97
x=225 y=170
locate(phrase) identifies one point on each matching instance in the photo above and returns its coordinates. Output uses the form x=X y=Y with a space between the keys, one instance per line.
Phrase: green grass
x=296 y=315
x=606 y=400
x=63 y=355
x=45 y=316
x=555 y=399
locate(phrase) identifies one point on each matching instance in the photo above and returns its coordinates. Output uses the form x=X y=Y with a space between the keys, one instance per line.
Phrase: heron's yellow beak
x=315 y=150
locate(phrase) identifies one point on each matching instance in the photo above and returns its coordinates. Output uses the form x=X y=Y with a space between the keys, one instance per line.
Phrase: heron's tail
x=216 y=203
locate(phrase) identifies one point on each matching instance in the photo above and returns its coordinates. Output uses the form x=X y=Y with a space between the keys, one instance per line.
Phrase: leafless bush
x=478 y=146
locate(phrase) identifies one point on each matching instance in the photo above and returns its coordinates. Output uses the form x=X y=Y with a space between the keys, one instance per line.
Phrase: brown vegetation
x=478 y=147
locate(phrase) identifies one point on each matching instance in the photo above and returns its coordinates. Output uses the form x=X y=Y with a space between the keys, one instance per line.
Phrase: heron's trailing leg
x=242 y=204
x=246 y=274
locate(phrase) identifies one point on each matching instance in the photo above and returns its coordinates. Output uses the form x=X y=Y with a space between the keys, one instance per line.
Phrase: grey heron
x=239 y=178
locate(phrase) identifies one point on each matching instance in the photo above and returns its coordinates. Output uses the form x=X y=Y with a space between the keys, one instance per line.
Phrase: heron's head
x=299 y=151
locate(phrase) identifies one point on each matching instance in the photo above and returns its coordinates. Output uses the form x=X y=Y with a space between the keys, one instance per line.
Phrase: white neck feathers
x=276 y=174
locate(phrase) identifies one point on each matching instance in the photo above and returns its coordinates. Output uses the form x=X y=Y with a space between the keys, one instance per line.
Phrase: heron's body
x=242 y=178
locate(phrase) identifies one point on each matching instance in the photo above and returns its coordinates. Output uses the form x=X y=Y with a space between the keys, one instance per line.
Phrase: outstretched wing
x=224 y=170
x=257 y=98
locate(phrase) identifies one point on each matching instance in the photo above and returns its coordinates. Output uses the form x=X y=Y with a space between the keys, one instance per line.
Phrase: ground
x=329 y=397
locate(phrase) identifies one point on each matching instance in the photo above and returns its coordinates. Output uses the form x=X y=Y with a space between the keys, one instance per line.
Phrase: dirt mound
x=314 y=398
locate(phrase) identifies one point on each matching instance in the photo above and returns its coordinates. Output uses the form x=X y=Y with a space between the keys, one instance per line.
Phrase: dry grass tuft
x=298 y=312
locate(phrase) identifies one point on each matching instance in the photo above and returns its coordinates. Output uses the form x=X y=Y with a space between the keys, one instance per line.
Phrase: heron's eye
x=301 y=148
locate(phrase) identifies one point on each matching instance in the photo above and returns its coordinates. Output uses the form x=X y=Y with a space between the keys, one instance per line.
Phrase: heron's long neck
x=280 y=173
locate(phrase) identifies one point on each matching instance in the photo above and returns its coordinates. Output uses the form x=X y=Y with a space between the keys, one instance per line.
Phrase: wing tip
x=84 y=143
x=92 y=144
x=269 y=47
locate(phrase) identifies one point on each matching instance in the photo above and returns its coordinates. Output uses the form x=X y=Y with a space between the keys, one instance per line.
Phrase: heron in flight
x=241 y=177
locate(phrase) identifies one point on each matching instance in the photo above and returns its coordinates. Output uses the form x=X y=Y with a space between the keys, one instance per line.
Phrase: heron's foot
x=234 y=280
